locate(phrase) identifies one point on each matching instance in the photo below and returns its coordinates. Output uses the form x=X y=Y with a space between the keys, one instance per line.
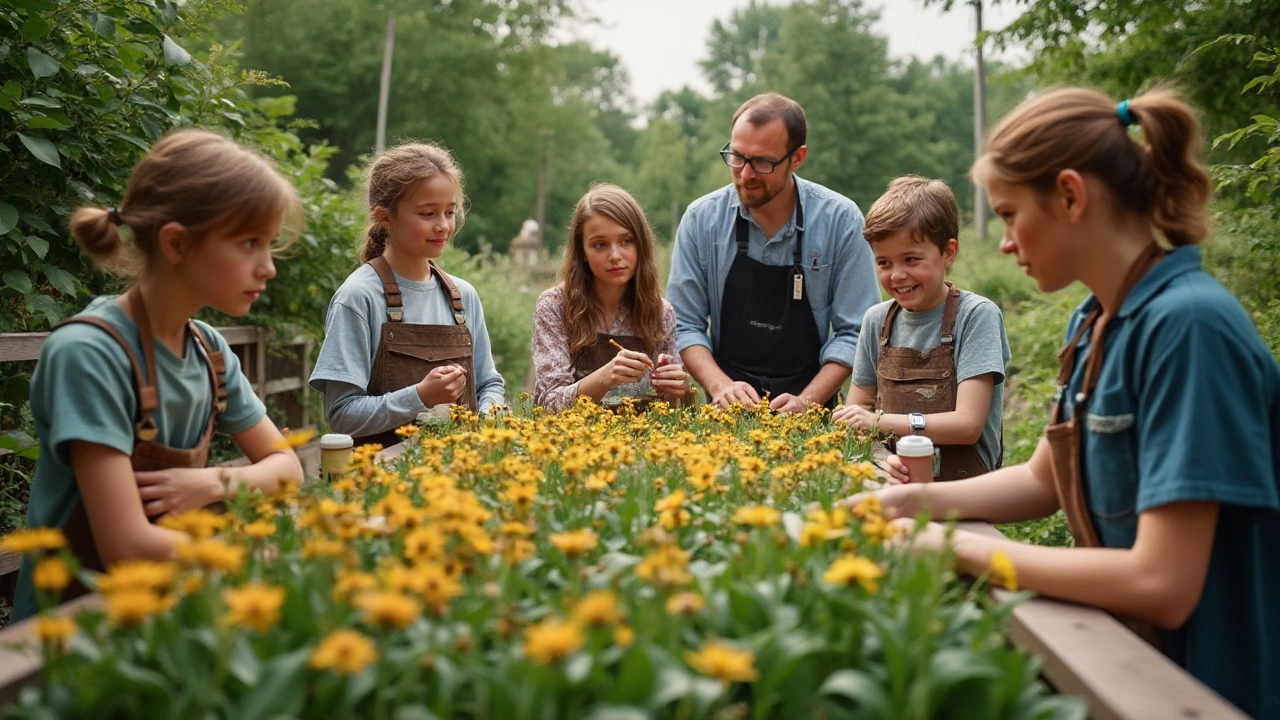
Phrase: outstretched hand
x=736 y=392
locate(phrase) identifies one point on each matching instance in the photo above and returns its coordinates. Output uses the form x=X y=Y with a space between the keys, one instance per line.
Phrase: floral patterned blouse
x=554 y=386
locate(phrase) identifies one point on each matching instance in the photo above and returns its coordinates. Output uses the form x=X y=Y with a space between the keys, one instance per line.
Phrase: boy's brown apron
x=148 y=454
x=599 y=353
x=408 y=351
x=1064 y=437
x=911 y=381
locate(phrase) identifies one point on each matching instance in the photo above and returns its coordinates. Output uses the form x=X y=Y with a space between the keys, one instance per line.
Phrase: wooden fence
x=276 y=363
x=1085 y=652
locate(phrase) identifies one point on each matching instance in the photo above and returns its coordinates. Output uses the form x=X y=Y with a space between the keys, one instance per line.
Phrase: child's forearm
x=1011 y=494
x=945 y=428
x=266 y=474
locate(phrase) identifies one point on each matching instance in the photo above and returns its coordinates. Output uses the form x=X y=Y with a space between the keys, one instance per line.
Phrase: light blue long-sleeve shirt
x=839 y=270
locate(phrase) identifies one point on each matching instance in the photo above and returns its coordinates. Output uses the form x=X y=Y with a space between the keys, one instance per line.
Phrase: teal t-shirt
x=82 y=389
x=1187 y=409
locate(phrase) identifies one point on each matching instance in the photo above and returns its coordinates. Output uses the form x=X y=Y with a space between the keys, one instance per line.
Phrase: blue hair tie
x=1126 y=118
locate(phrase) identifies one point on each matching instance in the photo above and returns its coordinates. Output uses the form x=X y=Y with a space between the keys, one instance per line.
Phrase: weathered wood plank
x=16 y=347
x=20 y=660
x=1087 y=652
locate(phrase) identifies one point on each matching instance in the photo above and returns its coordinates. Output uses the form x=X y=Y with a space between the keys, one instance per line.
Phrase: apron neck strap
x=949 y=314
x=390 y=288
x=217 y=365
x=451 y=289
x=742 y=231
x=1097 y=320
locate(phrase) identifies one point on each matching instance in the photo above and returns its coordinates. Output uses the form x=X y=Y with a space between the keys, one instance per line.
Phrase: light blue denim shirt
x=839 y=271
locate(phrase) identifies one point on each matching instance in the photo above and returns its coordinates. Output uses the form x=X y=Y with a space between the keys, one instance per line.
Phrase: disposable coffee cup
x=335 y=453
x=916 y=452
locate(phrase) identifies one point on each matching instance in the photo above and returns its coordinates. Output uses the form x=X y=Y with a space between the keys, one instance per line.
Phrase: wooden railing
x=277 y=374
x=1085 y=652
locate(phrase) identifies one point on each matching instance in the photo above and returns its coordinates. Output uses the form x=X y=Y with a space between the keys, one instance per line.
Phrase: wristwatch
x=917 y=423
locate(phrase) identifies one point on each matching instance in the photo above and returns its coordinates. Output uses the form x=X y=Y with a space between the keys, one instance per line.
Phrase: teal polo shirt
x=1187 y=408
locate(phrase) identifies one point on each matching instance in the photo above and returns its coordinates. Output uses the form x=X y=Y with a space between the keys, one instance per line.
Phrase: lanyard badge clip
x=797 y=286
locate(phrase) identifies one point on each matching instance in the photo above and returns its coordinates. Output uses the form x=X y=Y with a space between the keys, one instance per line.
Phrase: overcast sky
x=661 y=41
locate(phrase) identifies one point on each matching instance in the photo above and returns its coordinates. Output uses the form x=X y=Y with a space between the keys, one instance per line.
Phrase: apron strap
x=390 y=288
x=455 y=297
x=144 y=425
x=1152 y=255
x=217 y=365
x=741 y=233
x=949 y=314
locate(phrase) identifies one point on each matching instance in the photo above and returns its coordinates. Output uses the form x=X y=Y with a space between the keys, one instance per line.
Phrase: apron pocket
x=433 y=354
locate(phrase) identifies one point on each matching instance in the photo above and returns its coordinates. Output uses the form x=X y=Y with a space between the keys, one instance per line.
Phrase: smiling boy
x=930 y=359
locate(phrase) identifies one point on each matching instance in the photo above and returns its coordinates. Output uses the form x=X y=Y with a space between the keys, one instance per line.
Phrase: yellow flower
x=685 y=603
x=51 y=573
x=552 y=641
x=212 y=555
x=672 y=519
x=436 y=585
x=574 y=542
x=388 y=609
x=346 y=652
x=254 y=606
x=23 y=542
x=199 y=524
x=323 y=547
x=623 y=636
x=153 y=575
x=757 y=516
x=724 y=663
x=130 y=606
x=665 y=566
x=296 y=439
x=674 y=501
x=424 y=543
x=1003 y=571
x=260 y=530
x=54 y=629
x=597 y=609
x=868 y=505
x=351 y=582
x=850 y=569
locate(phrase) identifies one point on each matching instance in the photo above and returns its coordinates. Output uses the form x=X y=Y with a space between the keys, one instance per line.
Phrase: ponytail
x=1158 y=176
x=1182 y=186
x=99 y=236
x=375 y=242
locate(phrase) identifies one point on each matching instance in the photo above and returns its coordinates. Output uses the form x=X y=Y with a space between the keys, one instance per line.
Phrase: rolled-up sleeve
x=856 y=290
x=688 y=286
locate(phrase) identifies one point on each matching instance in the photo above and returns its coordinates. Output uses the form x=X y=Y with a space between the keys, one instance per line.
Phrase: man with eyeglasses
x=776 y=266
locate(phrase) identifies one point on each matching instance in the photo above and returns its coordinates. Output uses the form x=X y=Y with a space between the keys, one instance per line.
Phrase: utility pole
x=384 y=86
x=544 y=173
x=979 y=123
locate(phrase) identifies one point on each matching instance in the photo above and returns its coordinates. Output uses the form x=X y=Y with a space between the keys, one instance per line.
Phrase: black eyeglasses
x=762 y=166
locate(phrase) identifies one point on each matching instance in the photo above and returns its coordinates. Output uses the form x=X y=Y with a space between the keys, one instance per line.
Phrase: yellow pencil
x=615 y=344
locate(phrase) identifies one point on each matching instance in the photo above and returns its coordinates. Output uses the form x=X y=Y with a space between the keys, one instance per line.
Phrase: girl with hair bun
x=606 y=328
x=1163 y=443
x=126 y=395
x=401 y=336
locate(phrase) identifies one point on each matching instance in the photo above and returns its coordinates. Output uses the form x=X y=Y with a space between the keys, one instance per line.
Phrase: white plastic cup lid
x=915 y=446
x=335 y=441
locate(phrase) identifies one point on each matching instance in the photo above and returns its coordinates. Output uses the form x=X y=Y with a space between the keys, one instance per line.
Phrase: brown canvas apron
x=599 y=353
x=911 y=381
x=148 y=454
x=408 y=351
x=1064 y=437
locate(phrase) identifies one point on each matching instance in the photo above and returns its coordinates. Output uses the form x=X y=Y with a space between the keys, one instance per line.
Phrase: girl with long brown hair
x=608 y=298
x=1163 y=443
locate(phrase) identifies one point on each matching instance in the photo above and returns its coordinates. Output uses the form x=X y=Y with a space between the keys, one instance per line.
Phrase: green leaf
x=138 y=142
x=8 y=217
x=44 y=122
x=38 y=245
x=415 y=712
x=618 y=712
x=44 y=305
x=35 y=28
x=174 y=54
x=17 y=280
x=279 y=691
x=45 y=151
x=42 y=66
x=244 y=663
x=40 y=101
x=860 y=688
x=64 y=281
x=102 y=24
x=12 y=89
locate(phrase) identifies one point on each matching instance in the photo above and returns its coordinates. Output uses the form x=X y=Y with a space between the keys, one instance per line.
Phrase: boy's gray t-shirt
x=981 y=347
x=352 y=330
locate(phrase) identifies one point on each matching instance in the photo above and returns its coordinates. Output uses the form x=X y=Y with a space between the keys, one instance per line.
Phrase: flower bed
x=586 y=564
